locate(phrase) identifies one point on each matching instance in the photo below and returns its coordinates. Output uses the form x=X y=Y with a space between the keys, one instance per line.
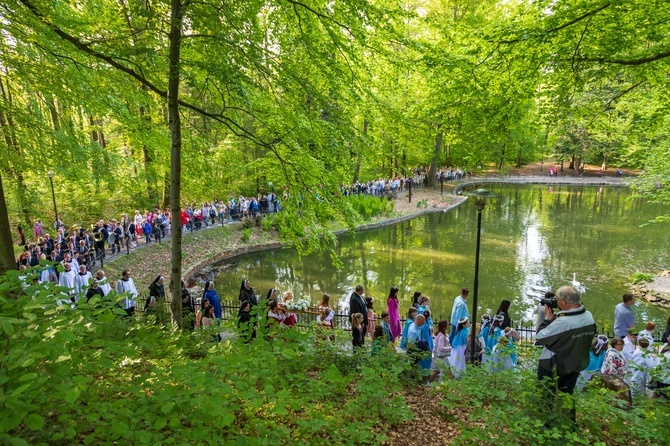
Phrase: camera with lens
x=550 y=302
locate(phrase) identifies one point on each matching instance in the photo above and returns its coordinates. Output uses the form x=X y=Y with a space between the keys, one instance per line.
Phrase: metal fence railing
x=341 y=321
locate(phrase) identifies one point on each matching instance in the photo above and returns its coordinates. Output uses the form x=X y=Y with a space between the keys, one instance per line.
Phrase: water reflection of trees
x=593 y=232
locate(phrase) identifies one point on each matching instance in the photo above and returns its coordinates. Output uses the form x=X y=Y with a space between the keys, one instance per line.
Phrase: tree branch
x=560 y=27
x=85 y=47
x=640 y=61
x=618 y=95
x=579 y=43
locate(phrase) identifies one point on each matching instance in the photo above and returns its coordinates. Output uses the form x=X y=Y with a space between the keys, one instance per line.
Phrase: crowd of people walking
x=88 y=245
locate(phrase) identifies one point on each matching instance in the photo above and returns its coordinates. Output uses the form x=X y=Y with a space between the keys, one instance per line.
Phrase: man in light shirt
x=126 y=285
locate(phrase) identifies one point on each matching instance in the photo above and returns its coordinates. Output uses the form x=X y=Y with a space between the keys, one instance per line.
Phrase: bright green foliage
x=90 y=376
x=638 y=277
x=308 y=95
x=368 y=206
x=511 y=407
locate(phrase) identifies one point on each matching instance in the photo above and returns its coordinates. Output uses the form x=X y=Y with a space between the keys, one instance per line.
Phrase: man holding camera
x=566 y=337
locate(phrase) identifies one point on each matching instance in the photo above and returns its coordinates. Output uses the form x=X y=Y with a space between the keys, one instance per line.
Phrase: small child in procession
x=357 y=330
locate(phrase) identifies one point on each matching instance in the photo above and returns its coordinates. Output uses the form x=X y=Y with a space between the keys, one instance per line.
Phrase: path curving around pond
x=200 y=248
x=544 y=180
x=432 y=196
x=229 y=254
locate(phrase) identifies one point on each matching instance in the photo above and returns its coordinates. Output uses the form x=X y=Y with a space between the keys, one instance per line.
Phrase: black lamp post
x=441 y=184
x=409 y=188
x=480 y=196
x=50 y=174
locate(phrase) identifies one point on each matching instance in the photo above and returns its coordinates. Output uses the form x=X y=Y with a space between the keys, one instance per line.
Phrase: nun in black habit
x=247 y=293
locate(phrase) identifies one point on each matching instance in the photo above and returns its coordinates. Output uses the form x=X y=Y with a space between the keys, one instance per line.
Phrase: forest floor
x=433 y=422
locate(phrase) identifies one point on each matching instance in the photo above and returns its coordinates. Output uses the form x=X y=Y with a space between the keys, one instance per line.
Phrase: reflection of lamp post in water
x=480 y=196
x=50 y=174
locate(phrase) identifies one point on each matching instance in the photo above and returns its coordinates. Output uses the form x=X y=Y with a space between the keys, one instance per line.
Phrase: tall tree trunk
x=578 y=164
x=518 y=157
x=101 y=134
x=147 y=156
x=176 y=18
x=357 y=167
x=53 y=110
x=94 y=132
x=572 y=162
x=447 y=155
x=7 y=262
x=165 y=201
x=7 y=124
x=436 y=156
x=502 y=158
x=605 y=160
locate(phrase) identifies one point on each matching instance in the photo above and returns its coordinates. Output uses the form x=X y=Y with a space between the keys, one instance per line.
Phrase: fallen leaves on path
x=433 y=423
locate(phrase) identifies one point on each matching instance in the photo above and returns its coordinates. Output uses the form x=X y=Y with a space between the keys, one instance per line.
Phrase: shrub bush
x=90 y=375
x=368 y=206
x=510 y=407
x=638 y=277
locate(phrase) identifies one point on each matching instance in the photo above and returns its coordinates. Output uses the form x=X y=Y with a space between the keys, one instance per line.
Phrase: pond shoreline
x=195 y=270
x=203 y=248
x=430 y=195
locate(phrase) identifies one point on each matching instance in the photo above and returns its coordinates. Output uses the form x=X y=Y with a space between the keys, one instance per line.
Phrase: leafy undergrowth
x=92 y=376
x=510 y=407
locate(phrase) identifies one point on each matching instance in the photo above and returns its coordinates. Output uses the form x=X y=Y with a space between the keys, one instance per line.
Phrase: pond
x=533 y=236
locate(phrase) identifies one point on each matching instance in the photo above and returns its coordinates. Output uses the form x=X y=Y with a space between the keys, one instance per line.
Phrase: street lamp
x=50 y=174
x=479 y=196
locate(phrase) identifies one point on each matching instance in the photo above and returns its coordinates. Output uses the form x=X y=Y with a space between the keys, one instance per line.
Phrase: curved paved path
x=451 y=187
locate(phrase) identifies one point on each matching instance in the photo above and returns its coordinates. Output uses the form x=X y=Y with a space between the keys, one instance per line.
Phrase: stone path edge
x=229 y=254
x=232 y=253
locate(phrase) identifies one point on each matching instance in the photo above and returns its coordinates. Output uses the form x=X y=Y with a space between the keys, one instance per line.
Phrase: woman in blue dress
x=426 y=335
x=458 y=347
x=213 y=298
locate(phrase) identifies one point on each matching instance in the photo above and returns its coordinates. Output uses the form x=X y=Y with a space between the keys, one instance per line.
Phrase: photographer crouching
x=566 y=337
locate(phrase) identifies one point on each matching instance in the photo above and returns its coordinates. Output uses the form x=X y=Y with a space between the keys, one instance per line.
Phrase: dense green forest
x=134 y=103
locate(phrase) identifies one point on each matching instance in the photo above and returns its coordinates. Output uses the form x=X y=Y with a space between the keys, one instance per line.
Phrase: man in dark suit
x=357 y=305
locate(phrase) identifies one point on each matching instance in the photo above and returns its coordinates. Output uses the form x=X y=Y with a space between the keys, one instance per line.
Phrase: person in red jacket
x=183 y=216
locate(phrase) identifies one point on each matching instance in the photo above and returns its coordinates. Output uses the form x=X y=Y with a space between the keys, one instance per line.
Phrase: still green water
x=532 y=236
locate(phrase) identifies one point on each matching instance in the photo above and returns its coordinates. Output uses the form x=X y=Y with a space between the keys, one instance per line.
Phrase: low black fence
x=229 y=310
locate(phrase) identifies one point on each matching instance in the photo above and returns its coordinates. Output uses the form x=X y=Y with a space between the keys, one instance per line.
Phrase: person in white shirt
x=641 y=364
x=126 y=285
x=103 y=282
x=66 y=280
x=67 y=258
x=81 y=282
x=648 y=333
x=628 y=347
